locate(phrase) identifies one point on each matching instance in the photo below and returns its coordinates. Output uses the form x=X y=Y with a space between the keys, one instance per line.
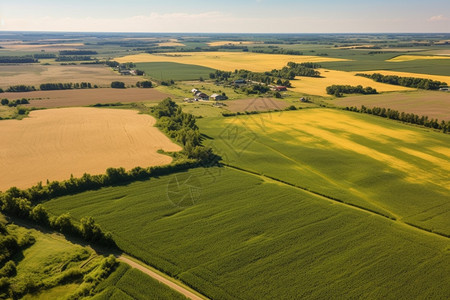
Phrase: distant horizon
x=234 y=16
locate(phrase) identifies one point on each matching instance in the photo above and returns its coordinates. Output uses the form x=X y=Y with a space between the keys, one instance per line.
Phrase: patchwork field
x=35 y=74
x=174 y=71
x=368 y=161
x=317 y=86
x=83 y=97
x=53 y=144
x=402 y=58
x=227 y=61
x=248 y=237
x=433 y=104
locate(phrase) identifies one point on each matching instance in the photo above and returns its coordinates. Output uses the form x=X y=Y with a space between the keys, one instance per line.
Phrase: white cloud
x=438 y=18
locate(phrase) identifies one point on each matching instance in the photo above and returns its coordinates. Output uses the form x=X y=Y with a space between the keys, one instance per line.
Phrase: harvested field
x=20 y=46
x=227 y=61
x=256 y=104
x=408 y=74
x=83 y=97
x=428 y=103
x=317 y=86
x=234 y=43
x=171 y=44
x=402 y=58
x=53 y=144
x=35 y=74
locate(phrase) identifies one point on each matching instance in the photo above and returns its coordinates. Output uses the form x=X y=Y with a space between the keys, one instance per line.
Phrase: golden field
x=317 y=86
x=55 y=143
x=402 y=58
x=235 y=43
x=227 y=61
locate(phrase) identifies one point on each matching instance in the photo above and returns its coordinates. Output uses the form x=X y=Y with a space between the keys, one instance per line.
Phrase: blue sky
x=247 y=16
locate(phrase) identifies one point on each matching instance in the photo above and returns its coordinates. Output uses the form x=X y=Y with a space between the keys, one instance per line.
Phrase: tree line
x=18 y=59
x=404 y=117
x=340 y=90
x=65 y=86
x=14 y=103
x=20 y=88
x=77 y=52
x=419 y=83
x=72 y=58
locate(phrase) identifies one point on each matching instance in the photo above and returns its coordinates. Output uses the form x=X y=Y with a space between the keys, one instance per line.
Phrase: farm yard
x=84 y=97
x=57 y=143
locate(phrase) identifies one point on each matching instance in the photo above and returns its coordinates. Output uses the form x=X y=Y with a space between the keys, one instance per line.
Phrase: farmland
x=35 y=74
x=226 y=61
x=433 y=104
x=321 y=150
x=415 y=75
x=401 y=58
x=83 y=97
x=56 y=143
x=174 y=71
x=264 y=239
x=317 y=86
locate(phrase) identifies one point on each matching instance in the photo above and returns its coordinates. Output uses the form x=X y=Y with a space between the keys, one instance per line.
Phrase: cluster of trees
x=278 y=51
x=419 y=83
x=340 y=90
x=44 y=55
x=65 y=86
x=17 y=59
x=118 y=85
x=21 y=88
x=19 y=203
x=404 y=117
x=182 y=128
x=77 y=52
x=144 y=84
x=112 y=63
x=14 y=103
x=294 y=69
x=72 y=58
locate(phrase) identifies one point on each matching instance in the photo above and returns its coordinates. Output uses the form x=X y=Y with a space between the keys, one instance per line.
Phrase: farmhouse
x=201 y=96
x=193 y=91
x=218 y=97
x=279 y=88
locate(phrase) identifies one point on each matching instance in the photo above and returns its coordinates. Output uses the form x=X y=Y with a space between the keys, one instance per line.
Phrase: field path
x=394 y=218
x=149 y=271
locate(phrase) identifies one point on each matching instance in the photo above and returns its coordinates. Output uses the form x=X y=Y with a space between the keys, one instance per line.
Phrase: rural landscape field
x=212 y=154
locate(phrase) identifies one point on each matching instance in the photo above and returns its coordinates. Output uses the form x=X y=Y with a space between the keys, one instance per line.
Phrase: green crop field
x=174 y=71
x=372 y=162
x=127 y=283
x=237 y=235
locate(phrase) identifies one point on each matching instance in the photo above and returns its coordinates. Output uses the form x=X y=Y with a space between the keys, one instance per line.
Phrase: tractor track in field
x=395 y=219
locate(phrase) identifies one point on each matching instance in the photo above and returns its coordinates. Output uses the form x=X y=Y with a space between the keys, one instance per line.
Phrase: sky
x=226 y=16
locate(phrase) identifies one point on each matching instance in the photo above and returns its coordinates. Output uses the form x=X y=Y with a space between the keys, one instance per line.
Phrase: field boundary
x=350 y=205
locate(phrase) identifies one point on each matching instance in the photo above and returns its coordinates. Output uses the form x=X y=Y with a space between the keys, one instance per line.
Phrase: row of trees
x=72 y=58
x=77 y=52
x=14 y=103
x=21 y=88
x=419 y=83
x=404 y=117
x=17 y=59
x=182 y=128
x=340 y=90
x=65 y=86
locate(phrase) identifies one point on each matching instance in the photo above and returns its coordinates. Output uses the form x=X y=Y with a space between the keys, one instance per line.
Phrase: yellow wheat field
x=317 y=86
x=407 y=74
x=55 y=143
x=227 y=61
x=171 y=44
x=402 y=58
x=222 y=43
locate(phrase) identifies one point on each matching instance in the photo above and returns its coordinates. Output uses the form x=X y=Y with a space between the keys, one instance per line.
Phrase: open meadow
x=226 y=61
x=55 y=143
x=434 y=104
x=83 y=97
x=35 y=74
x=174 y=71
x=244 y=236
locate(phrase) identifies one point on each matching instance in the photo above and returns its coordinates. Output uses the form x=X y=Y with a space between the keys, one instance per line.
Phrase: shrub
x=118 y=85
